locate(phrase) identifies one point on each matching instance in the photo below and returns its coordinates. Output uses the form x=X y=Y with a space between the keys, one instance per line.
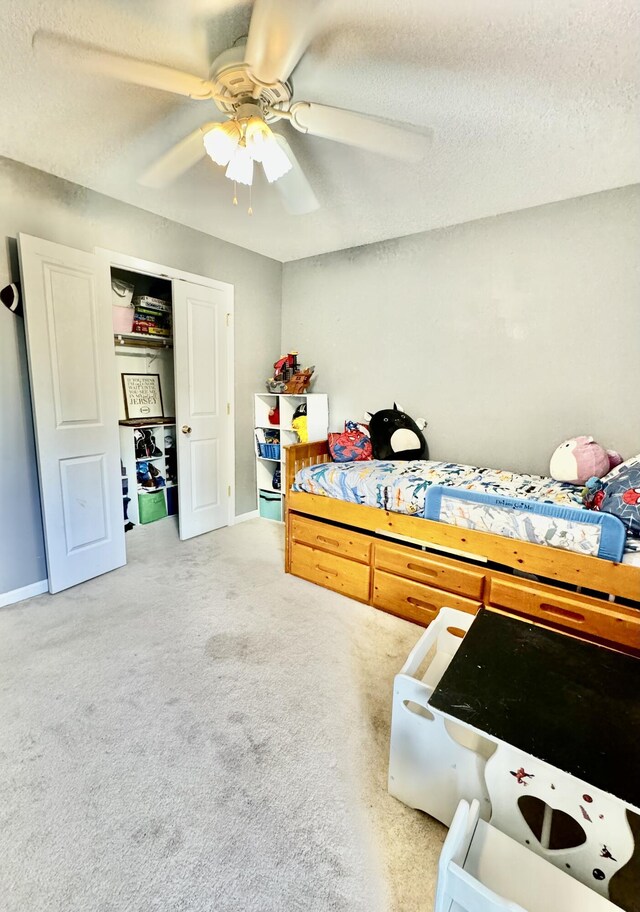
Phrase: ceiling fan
x=249 y=84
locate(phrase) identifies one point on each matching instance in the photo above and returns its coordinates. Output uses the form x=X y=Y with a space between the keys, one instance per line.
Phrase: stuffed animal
x=299 y=423
x=10 y=296
x=581 y=458
x=593 y=493
x=394 y=435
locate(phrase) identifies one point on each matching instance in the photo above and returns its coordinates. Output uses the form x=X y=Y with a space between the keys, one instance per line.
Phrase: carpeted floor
x=198 y=731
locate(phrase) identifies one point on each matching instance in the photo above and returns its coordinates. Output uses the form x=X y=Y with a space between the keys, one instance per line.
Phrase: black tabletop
x=570 y=703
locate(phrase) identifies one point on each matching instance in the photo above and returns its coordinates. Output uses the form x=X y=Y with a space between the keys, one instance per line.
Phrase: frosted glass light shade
x=222 y=141
x=241 y=167
x=257 y=136
x=238 y=144
x=274 y=160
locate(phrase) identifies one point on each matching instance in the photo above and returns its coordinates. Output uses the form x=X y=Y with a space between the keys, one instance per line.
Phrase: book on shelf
x=156 y=329
x=154 y=304
x=159 y=315
x=149 y=328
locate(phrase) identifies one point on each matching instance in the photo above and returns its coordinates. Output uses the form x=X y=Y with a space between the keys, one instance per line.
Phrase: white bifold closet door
x=203 y=426
x=75 y=407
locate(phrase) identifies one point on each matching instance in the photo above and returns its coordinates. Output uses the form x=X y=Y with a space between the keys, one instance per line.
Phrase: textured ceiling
x=530 y=102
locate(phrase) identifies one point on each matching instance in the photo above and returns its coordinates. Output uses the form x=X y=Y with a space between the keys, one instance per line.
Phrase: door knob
x=186 y=429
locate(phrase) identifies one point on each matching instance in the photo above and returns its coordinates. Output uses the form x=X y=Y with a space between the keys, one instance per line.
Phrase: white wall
x=507 y=334
x=45 y=206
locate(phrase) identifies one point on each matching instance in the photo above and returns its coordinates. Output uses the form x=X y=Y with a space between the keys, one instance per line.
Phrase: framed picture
x=142 y=396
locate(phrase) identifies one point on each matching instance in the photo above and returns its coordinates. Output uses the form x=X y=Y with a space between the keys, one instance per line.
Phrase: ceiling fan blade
x=92 y=59
x=177 y=160
x=279 y=34
x=295 y=190
x=359 y=130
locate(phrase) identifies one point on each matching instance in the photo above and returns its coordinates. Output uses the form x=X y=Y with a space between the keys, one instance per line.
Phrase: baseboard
x=18 y=595
x=243 y=517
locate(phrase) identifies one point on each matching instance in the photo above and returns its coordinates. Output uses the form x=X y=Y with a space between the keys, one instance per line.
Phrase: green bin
x=152 y=506
x=271 y=505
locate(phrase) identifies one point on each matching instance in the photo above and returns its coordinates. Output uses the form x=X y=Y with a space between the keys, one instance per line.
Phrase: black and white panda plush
x=10 y=297
x=394 y=435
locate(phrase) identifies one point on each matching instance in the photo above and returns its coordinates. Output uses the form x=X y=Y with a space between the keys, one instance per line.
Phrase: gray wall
x=507 y=334
x=45 y=206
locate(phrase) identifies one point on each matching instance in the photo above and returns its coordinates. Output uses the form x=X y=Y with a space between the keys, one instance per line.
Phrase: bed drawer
x=330 y=538
x=415 y=601
x=346 y=576
x=607 y=621
x=415 y=565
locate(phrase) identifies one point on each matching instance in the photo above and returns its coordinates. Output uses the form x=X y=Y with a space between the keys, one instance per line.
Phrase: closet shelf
x=147 y=423
x=142 y=340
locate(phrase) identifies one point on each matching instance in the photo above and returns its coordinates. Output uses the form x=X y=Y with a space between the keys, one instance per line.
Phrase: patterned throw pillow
x=352 y=445
x=620 y=494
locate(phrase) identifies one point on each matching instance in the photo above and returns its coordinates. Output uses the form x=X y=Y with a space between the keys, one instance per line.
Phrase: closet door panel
x=74 y=397
x=202 y=421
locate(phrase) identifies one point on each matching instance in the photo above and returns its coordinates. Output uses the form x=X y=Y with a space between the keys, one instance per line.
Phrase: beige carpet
x=198 y=731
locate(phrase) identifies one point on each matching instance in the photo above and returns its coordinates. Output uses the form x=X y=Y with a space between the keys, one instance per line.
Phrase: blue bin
x=269 y=450
x=172 y=500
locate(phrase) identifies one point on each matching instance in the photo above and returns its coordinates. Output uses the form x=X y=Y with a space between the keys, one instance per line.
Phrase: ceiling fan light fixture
x=240 y=167
x=263 y=148
x=257 y=135
x=221 y=142
x=275 y=160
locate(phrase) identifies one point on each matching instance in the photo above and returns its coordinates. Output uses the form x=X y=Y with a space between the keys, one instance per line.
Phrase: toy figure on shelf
x=299 y=423
x=288 y=377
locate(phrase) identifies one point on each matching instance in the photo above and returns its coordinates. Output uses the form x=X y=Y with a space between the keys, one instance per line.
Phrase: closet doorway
x=76 y=362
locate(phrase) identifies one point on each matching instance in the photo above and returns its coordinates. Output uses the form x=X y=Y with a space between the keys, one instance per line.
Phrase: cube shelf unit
x=270 y=498
x=159 y=430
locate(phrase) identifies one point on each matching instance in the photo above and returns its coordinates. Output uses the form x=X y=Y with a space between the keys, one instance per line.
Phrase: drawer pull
x=563 y=613
x=326 y=570
x=418 y=568
x=418 y=603
x=328 y=541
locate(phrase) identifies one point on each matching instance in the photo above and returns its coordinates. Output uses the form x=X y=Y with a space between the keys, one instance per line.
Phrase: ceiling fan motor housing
x=233 y=83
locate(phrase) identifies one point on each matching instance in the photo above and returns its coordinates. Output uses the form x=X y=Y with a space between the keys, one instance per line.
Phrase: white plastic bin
x=434 y=762
x=122 y=307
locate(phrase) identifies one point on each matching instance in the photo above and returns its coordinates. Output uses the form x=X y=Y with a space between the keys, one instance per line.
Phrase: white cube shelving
x=271 y=499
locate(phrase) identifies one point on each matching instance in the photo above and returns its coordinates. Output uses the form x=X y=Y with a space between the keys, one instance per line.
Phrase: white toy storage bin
x=483 y=870
x=434 y=762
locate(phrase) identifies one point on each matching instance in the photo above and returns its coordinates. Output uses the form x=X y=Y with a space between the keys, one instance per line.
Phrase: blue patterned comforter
x=402 y=486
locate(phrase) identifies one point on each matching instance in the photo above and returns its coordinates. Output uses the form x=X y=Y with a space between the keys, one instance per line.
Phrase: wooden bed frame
x=412 y=567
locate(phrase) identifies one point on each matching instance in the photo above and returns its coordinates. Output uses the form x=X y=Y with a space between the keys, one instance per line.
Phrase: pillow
x=620 y=494
x=352 y=445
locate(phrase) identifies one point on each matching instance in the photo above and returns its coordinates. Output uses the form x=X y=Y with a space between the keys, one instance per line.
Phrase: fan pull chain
x=235 y=193
x=250 y=209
